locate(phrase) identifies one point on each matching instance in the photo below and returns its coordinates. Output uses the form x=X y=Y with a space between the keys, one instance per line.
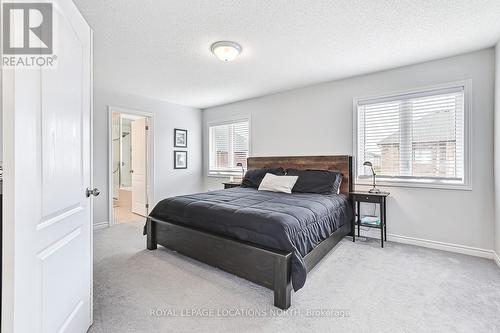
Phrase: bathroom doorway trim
x=150 y=119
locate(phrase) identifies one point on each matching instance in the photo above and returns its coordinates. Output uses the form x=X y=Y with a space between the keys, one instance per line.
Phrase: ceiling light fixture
x=226 y=51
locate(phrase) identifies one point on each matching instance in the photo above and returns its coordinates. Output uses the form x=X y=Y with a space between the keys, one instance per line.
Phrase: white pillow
x=275 y=183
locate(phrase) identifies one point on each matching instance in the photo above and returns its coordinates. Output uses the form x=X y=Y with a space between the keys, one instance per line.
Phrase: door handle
x=95 y=192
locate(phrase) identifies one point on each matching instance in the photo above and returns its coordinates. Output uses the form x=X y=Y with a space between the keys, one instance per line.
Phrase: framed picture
x=180 y=138
x=180 y=159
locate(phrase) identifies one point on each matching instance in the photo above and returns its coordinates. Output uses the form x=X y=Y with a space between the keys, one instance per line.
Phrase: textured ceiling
x=161 y=49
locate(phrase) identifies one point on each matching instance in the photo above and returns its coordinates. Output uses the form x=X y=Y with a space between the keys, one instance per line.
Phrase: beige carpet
x=356 y=288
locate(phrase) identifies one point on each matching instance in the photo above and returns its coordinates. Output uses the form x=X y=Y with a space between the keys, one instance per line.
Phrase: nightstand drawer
x=231 y=185
x=367 y=198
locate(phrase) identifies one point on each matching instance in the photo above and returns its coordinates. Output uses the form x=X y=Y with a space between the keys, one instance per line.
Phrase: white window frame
x=226 y=121
x=428 y=183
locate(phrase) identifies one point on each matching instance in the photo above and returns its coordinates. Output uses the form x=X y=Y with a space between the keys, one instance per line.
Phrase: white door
x=139 y=198
x=49 y=170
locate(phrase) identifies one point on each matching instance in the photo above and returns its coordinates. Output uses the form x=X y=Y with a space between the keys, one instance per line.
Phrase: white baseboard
x=100 y=225
x=496 y=258
x=472 y=251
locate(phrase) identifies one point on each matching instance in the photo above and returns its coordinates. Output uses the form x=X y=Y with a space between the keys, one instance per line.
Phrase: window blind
x=228 y=146
x=413 y=137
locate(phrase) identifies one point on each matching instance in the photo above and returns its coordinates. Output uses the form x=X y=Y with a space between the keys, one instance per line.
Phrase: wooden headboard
x=338 y=163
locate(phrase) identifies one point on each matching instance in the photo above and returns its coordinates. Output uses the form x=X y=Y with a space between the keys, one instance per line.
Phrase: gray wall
x=497 y=150
x=319 y=120
x=168 y=182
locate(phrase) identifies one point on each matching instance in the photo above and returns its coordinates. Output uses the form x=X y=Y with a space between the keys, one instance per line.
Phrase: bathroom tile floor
x=124 y=215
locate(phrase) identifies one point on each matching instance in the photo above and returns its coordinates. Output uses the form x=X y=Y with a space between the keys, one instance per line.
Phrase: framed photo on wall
x=180 y=138
x=180 y=159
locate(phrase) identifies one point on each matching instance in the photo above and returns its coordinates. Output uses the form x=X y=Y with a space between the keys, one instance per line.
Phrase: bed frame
x=264 y=266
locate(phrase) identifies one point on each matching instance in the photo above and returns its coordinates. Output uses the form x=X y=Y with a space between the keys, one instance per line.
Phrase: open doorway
x=130 y=165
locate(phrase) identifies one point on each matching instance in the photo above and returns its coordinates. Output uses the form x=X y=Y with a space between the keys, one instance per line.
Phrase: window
x=414 y=138
x=228 y=146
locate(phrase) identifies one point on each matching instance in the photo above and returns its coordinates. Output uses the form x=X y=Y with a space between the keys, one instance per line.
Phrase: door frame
x=8 y=230
x=149 y=157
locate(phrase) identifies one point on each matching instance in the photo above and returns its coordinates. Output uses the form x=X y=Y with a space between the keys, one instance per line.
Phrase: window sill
x=218 y=176
x=224 y=175
x=409 y=184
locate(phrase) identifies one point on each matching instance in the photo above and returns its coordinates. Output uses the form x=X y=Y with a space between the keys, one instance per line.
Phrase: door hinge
x=147 y=128
x=147 y=205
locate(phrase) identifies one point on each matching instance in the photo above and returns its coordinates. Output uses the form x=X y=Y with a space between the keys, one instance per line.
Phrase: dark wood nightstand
x=231 y=184
x=376 y=198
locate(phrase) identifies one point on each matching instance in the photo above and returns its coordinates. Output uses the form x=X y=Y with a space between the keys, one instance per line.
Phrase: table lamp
x=374 y=189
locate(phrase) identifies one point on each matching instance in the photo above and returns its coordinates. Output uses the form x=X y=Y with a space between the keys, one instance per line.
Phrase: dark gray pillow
x=254 y=177
x=316 y=181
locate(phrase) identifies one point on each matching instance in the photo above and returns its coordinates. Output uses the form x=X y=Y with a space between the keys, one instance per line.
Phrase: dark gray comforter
x=290 y=222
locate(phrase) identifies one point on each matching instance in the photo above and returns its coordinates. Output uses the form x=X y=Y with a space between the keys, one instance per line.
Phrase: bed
x=272 y=239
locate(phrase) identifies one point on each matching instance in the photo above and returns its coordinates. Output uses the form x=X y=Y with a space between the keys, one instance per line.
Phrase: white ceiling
x=161 y=49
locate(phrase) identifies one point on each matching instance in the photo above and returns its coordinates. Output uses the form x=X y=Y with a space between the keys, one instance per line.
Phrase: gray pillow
x=254 y=177
x=316 y=181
